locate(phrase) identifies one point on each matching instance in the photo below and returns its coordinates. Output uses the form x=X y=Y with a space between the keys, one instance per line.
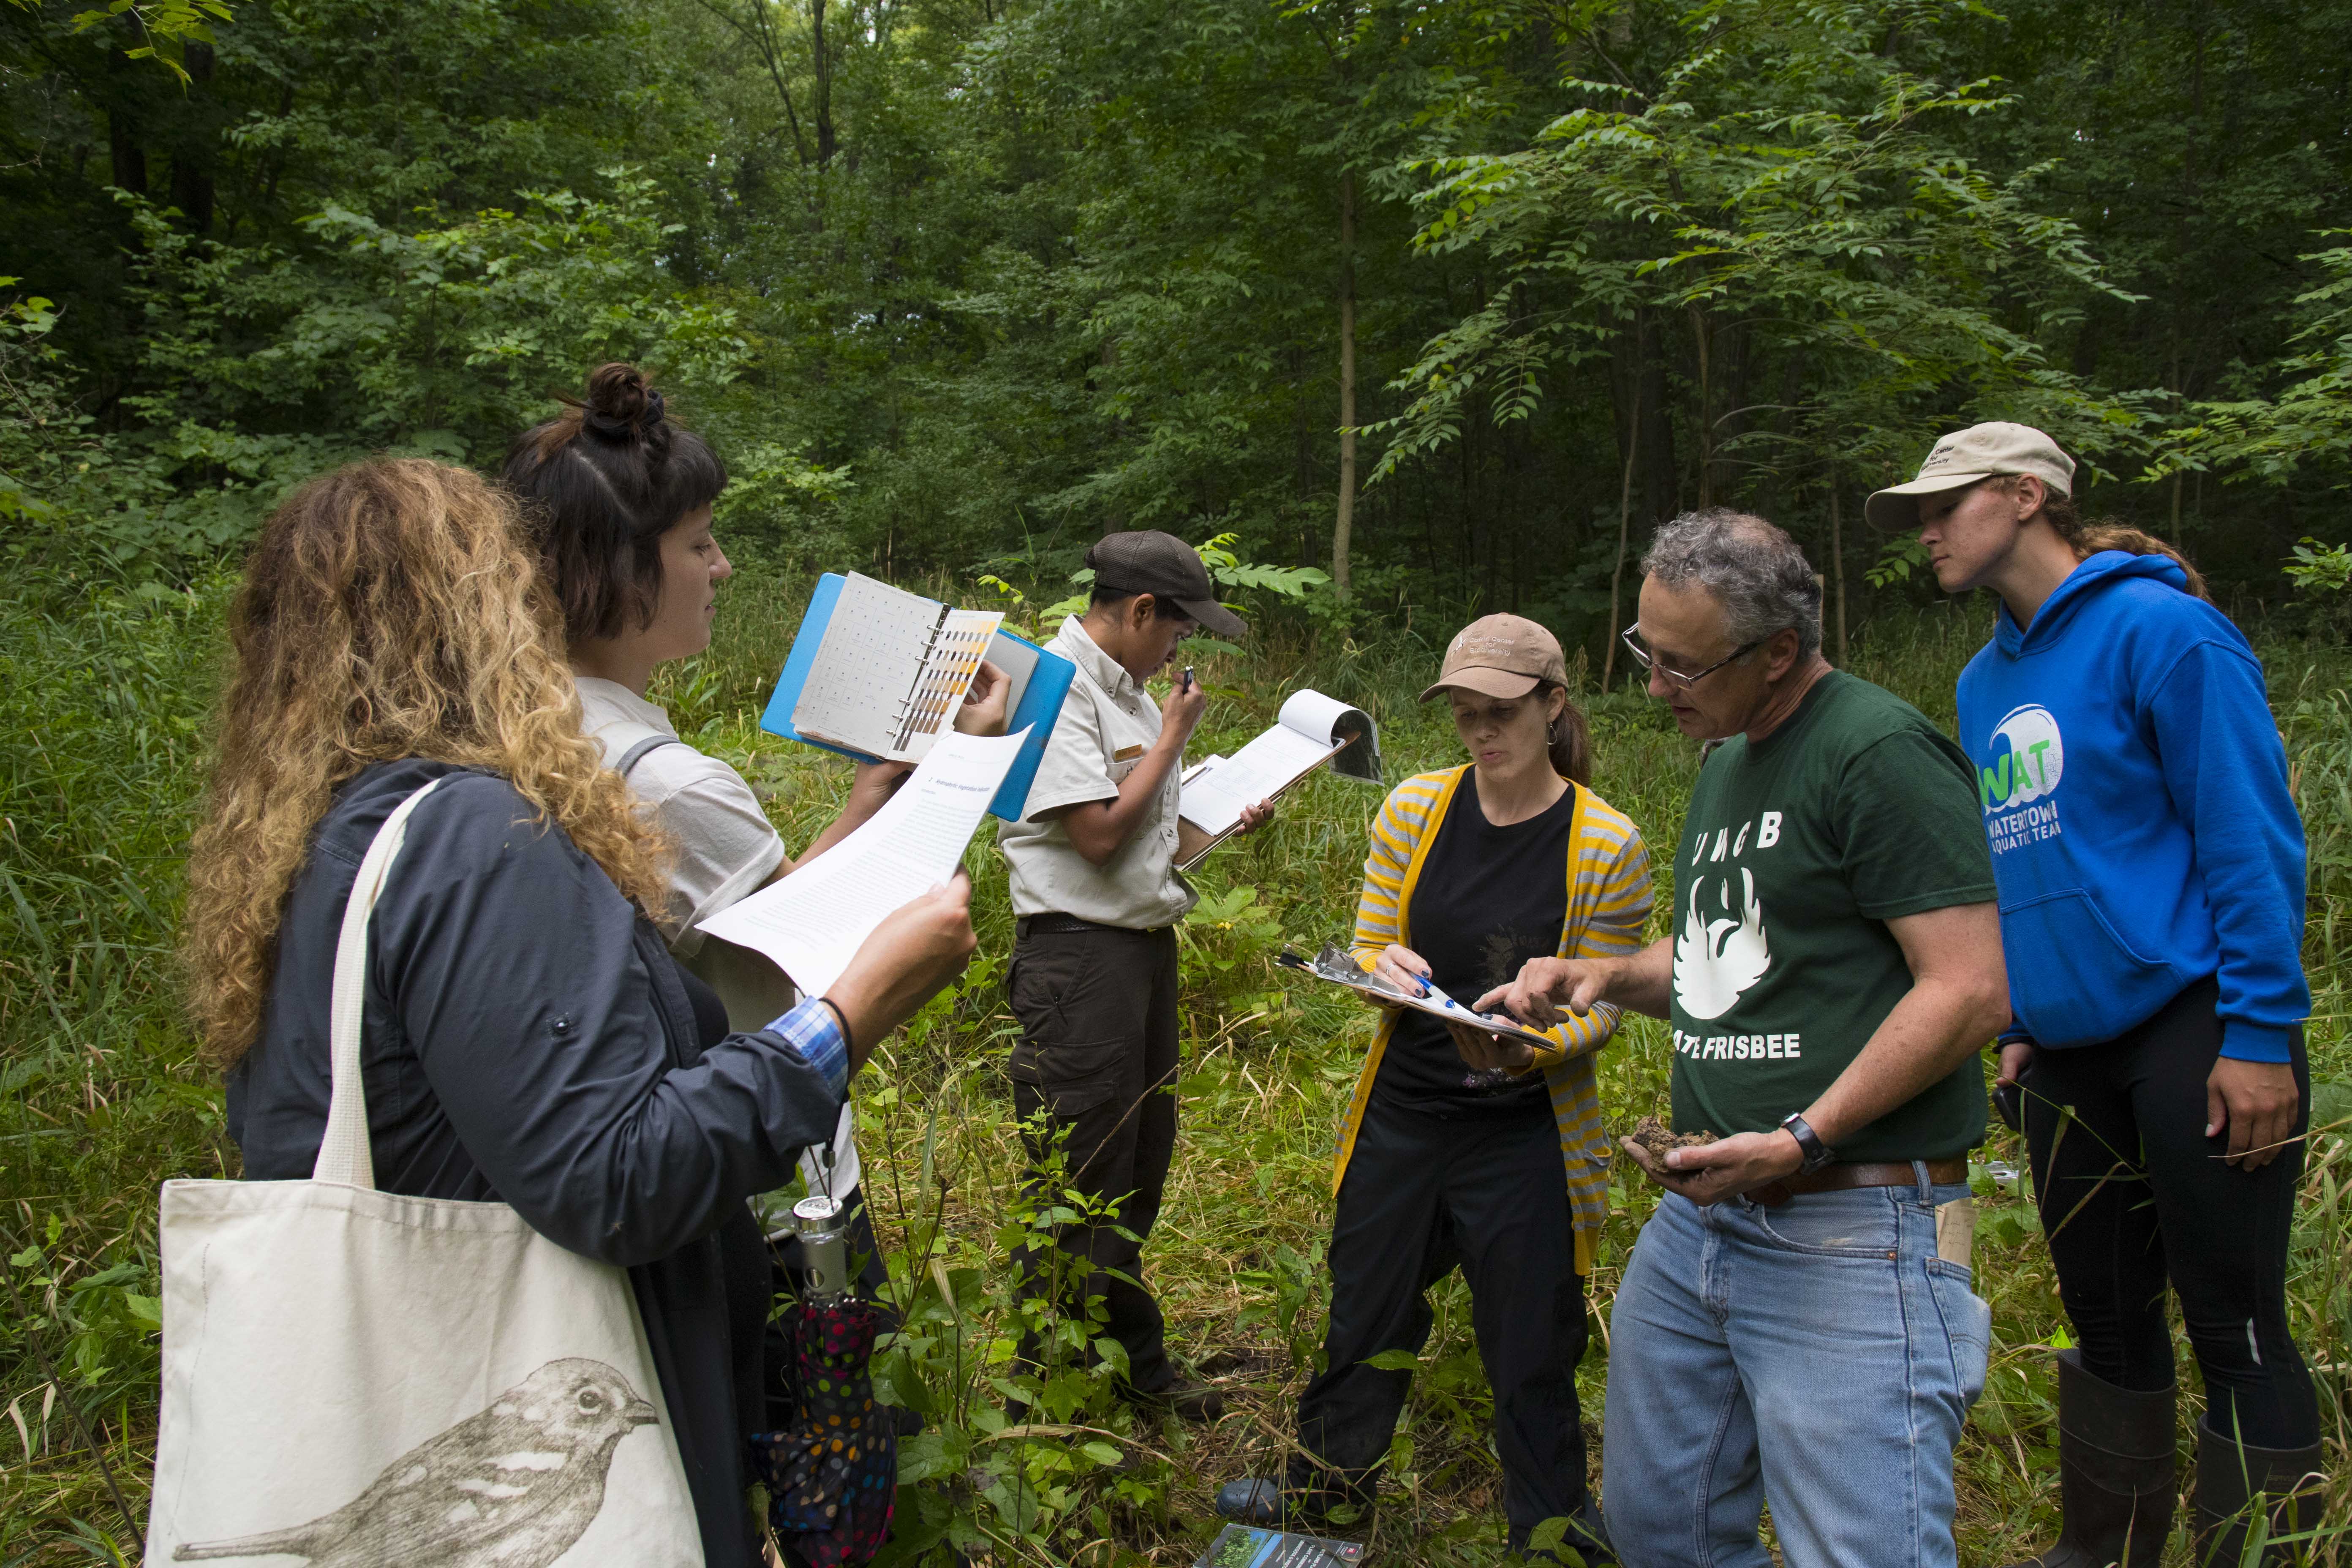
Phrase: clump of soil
x=1657 y=1138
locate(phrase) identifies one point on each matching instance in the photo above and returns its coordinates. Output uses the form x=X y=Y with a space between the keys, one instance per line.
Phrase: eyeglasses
x=1676 y=678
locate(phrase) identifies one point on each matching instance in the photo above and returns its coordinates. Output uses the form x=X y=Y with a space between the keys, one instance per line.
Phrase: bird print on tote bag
x=511 y=1487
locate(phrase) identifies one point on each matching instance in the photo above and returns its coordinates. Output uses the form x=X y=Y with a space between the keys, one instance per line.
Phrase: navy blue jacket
x=529 y=1041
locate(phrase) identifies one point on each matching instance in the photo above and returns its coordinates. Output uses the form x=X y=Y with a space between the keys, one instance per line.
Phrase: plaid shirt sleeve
x=812 y=1030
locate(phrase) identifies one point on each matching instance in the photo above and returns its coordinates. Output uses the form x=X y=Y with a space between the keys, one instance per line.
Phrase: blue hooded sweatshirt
x=2136 y=794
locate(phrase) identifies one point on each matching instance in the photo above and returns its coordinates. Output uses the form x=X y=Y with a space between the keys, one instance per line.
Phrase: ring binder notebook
x=878 y=673
x=890 y=670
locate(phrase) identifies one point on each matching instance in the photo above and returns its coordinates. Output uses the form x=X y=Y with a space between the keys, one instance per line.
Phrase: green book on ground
x=1239 y=1546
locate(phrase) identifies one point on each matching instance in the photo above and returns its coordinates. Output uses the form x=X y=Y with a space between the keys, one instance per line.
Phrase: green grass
x=102 y=700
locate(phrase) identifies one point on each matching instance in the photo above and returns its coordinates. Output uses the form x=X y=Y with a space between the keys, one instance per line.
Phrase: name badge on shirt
x=1127 y=753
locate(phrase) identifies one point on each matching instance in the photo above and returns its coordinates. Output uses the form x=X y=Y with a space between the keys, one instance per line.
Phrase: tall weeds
x=102 y=701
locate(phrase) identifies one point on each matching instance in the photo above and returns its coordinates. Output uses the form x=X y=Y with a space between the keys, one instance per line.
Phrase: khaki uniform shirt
x=1107 y=725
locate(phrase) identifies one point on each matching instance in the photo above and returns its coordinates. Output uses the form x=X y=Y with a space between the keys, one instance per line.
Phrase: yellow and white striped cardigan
x=1608 y=906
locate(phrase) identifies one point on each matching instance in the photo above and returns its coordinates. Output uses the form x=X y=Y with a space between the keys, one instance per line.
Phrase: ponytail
x=2108 y=534
x=1570 y=745
x=2087 y=539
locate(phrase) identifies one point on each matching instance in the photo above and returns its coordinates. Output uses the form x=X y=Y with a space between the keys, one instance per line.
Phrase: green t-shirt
x=1796 y=852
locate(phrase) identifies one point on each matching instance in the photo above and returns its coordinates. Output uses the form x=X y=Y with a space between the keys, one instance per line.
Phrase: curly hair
x=1760 y=575
x=390 y=609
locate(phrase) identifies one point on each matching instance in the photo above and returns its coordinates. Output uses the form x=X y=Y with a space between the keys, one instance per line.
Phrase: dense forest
x=1439 y=306
x=1453 y=300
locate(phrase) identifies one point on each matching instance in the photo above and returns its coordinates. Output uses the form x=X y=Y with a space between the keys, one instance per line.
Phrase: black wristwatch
x=1809 y=1143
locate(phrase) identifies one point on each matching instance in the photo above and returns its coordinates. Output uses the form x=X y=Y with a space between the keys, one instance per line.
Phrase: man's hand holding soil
x=1710 y=1172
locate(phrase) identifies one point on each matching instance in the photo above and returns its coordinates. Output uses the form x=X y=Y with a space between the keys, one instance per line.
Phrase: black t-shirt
x=1487 y=900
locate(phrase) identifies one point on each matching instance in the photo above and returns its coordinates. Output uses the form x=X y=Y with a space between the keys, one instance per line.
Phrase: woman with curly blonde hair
x=527 y=1038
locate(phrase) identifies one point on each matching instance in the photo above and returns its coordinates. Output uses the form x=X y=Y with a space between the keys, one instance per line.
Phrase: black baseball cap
x=1146 y=561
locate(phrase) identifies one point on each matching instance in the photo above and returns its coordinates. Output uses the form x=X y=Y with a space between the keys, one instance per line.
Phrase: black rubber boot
x=2229 y=1473
x=2115 y=1472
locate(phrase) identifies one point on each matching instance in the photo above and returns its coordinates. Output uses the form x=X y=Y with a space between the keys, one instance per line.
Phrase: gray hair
x=1755 y=571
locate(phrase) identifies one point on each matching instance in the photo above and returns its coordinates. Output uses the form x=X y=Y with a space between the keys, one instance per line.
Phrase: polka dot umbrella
x=832 y=1472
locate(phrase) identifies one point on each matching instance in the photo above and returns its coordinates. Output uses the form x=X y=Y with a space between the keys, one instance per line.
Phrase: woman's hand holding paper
x=903 y=963
x=1404 y=969
x=1254 y=817
x=983 y=709
x=871 y=784
x=1491 y=1053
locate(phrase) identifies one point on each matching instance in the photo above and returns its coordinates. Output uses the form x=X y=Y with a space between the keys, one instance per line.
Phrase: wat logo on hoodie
x=2018 y=785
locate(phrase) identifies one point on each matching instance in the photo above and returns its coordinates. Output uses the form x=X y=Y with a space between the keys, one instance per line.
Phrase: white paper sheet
x=1312 y=714
x=812 y=922
x=1018 y=660
x=1213 y=801
x=1341 y=968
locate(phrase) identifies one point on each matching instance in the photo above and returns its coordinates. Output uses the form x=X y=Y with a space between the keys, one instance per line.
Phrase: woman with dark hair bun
x=620 y=497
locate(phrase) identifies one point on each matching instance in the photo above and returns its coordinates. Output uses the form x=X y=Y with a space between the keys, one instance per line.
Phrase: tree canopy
x=1454 y=302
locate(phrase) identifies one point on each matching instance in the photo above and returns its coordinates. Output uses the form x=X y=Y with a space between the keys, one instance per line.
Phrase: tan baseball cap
x=1500 y=655
x=1979 y=452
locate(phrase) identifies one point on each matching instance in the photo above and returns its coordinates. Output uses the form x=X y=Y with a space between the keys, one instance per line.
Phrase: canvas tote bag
x=372 y=1381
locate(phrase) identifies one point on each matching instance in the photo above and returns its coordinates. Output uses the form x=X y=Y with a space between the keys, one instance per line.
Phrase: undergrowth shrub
x=103 y=694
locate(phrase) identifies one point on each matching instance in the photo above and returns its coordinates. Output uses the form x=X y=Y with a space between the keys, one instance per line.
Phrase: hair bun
x=619 y=404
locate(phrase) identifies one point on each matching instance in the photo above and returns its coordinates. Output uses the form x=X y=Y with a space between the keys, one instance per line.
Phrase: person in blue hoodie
x=2150 y=866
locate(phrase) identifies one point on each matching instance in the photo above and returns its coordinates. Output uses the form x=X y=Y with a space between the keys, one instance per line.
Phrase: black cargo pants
x=1424 y=1195
x=1097 y=1056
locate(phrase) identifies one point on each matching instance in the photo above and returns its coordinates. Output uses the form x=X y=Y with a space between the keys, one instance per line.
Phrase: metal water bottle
x=824 y=1233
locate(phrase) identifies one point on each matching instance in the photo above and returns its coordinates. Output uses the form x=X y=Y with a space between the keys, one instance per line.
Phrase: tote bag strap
x=344 y=1156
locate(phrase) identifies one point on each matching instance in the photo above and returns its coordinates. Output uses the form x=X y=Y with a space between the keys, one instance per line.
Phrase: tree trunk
x=1705 y=411
x=192 y=170
x=130 y=159
x=1625 y=529
x=1114 y=517
x=1837 y=565
x=127 y=156
x=1345 y=522
x=1661 y=487
x=825 y=141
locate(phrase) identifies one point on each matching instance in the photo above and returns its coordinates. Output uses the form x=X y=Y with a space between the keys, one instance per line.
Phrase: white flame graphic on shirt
x=1715 y=960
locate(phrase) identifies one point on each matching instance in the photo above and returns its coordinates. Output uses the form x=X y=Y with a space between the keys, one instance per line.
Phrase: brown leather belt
x=1844 y=1178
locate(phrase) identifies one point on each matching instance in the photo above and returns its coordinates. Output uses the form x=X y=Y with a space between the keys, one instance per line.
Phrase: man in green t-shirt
x=1787 y=1330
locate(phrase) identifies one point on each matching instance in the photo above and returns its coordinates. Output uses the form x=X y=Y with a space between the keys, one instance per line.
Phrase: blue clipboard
x=1037 y=706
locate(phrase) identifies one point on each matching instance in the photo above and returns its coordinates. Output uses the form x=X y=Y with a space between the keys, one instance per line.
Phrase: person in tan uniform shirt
x=1096 y=897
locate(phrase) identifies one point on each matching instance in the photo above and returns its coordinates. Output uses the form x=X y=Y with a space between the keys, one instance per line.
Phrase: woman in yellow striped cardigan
x=1460 y=1148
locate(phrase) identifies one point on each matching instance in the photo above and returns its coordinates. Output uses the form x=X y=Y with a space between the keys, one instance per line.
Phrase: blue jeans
x=1818 y=1356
